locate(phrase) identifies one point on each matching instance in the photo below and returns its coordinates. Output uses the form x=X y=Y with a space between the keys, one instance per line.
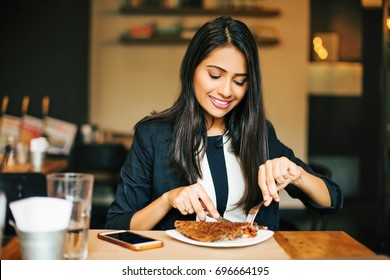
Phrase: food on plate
x=216 y=231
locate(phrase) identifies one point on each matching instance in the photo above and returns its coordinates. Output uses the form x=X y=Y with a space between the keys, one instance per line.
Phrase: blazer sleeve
x=135 y=183
x=278 y=149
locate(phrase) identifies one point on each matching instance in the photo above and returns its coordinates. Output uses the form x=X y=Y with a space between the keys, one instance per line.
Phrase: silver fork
x=253 y=213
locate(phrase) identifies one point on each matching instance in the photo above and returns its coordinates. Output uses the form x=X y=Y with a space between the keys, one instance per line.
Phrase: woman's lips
x=220 y=103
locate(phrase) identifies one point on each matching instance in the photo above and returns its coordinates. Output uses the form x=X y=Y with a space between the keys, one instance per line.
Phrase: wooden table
x=283 y=245
x=49 y=166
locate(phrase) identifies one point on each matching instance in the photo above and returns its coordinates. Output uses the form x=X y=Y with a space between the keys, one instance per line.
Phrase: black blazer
x=147 y=174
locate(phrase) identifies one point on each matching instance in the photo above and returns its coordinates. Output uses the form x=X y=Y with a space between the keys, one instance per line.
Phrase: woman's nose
x=224 y=88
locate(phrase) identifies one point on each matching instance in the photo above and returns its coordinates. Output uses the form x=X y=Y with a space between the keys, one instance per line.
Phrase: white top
x=236 y=183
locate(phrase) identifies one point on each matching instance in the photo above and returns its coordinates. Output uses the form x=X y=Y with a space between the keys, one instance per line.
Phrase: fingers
x=294 y=171
x=188 y=210
x=275 y=175
x=178 y=199
x=267 y=183
x=202 y=203
x=270 y=180
x=206 y=204
x=263 y=184
x=193 y=199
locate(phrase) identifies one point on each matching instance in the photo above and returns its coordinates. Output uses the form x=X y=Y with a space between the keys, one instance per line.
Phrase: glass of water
x=3 y=209
x=77 y=188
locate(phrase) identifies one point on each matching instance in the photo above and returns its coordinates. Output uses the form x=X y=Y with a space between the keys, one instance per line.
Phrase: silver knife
x=220 y=219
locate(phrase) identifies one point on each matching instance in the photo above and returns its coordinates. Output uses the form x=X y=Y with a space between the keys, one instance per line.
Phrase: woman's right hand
x=191 y=199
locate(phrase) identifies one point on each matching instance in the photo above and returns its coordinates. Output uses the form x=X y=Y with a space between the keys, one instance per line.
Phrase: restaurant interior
x=99 y=66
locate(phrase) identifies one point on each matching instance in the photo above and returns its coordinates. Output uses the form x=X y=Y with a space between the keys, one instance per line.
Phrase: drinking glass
x=77 y=188
x=3 y=209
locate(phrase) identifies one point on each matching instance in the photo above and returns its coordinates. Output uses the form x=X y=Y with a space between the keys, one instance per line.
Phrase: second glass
x=77 y=188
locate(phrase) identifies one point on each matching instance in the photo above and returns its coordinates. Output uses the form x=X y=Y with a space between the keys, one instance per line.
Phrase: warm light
x=388 y=23
x=323 y=53
x=319 y=48
x=317 y=41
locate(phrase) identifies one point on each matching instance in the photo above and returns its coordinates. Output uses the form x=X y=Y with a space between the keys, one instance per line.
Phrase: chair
x=20 y=185
x=104 y=161
x=100 y=159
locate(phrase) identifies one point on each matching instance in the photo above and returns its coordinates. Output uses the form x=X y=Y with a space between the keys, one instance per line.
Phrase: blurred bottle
x=45 y=113
x=11 y=143
x=87 y=133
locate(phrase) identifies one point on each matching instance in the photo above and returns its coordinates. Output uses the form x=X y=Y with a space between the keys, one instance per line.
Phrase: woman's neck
x=217 y=127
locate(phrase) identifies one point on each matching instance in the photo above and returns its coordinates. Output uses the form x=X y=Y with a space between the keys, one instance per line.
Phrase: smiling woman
x=214 y=150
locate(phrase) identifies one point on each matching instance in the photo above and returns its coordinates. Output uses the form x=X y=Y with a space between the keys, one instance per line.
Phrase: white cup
x=21 y=153
x=47 y=245
x=41 y=224
x=77 y=188
x=37 y=159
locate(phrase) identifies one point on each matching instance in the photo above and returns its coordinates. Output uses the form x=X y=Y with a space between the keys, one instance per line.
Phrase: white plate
x=262 y=235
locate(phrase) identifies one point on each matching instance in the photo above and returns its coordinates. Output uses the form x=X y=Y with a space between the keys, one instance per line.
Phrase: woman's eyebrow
x=223 y=70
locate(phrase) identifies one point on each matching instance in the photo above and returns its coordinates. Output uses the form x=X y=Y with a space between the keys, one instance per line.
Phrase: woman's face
x=220 y=83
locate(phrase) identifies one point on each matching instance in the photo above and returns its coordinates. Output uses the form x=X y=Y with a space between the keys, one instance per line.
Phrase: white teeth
x=219 y=101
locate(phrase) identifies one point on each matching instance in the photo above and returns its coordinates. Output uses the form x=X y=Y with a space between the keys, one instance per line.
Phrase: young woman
x=214 y=149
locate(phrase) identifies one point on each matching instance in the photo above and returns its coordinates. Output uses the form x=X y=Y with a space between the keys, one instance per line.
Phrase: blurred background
x=105 y=64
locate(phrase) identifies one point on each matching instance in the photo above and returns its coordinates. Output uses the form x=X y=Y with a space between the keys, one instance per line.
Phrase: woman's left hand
x=274 y=175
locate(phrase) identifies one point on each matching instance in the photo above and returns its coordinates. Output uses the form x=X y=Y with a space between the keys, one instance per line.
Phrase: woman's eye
x=212 y=76
x=240 y=83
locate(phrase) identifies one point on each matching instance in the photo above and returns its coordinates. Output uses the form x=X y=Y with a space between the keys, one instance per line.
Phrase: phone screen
x=130 y=237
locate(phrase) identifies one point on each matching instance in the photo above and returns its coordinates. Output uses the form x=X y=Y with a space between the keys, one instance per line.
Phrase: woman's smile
x=220 y=104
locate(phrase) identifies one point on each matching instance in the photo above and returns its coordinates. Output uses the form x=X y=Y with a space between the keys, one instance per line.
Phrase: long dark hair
x=246 y=123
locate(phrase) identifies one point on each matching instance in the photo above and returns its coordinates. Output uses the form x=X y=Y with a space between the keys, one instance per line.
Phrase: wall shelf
x=126 y=39
x=173 y=40
x=254 y=12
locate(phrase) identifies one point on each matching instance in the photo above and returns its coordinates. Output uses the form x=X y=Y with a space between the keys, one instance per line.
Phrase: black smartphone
x=130 y=239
